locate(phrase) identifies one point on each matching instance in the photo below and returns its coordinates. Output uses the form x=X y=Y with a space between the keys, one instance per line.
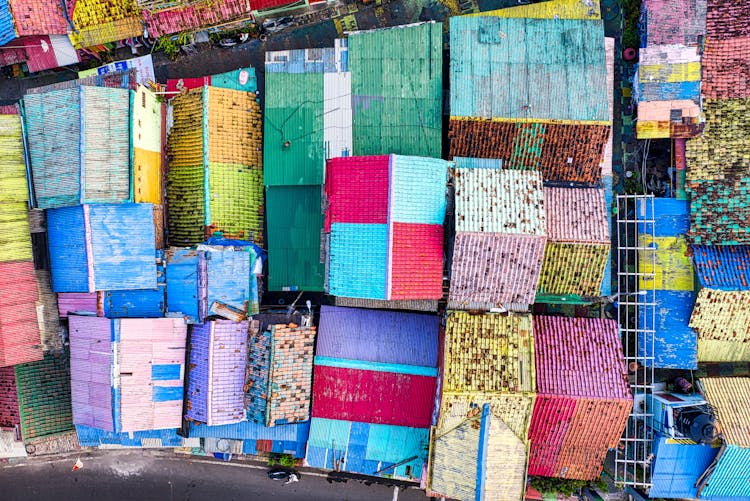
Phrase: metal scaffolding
x=636 y=260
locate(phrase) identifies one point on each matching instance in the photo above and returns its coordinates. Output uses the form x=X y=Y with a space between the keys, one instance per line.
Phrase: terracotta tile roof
x=38 y=17
x=727 y=19
x=492 y=269
x=513 y=409
x=728 y=396
x=573 y=268
x=579 y=357
x=722 y=321
x=719 y=211
x=500 y=201
x=488 y=352
x=576 y=215
x=726 y=68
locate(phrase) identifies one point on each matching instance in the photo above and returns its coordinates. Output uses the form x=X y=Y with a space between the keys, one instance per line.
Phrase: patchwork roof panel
x=416 y=261
x=722 y=321
x=489 y=353
x=491 y=270
x=358 y=260
x=528 y=69
x=378 y=336
x=357 y=190
x=8 y=398
x=580 y=357
x=723 y=393
x=38 y=17
x=674 y=21
x=500 y=201
x=723 y=267
x=719 y=211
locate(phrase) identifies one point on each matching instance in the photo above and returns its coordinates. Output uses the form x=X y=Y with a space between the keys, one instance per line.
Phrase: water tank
x=696 y=423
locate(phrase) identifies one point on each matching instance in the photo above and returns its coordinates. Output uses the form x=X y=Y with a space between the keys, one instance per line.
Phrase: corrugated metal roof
x=12 y=166
x=504 y=457
x=390 y=304
x=44 y=396
x=576 y=215
x=7 y=28
x=543 y=69
x=491 y=270
x=675 y=344
x=489 y=352
x=47 y=313
x=9 y=416
x=366 y=448
x=729 y=479
x=373 y=396
x=454 y=462
x=228 y=275
x=725 y=267
x=357 y=190
x=724 y=394
x=677 y=467
x=193 y=17
x=92 y=437
x=673 y=21
x=416 y=261
x=15 y=243
x=146 y=131
x=417 y=190
x=91 y=353
x=722 y=320
x=218 y=354
x=116 y=79
x=500 y=201
x=400 y=337
x=19 y=331
x=182 y=283
x=580 y=357
x=512 y=409
x=397 y=89
x=249 y=430
x=573 y=268
x=77 y=303
x=294 y=219
x=38 y=17
x=552 y=9
x=665 y=264
x=358 y=260
x=570 y=437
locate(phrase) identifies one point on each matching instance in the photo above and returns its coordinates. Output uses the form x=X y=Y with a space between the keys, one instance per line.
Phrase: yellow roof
x=554 y=9
x=729 y=397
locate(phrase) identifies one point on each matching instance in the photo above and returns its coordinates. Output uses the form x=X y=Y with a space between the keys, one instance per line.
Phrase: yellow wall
x=147 y=147
x=672 y=269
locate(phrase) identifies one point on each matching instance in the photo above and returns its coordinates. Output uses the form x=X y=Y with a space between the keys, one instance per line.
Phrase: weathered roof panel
x=722 y=321
x=724 y=393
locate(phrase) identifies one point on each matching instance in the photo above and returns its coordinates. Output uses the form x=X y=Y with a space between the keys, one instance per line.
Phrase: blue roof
x=522 y=68
x=731 y=476
x=94 y=437
x=228 y=278
x=677 y=466
x=67 y=249
x=358 y=260
x=303 y=61
x=182 y=283
x=723 y=267
x=675 y=344
x=7 y=28
x=284 y=438
x=671 y=216
x=378 y=336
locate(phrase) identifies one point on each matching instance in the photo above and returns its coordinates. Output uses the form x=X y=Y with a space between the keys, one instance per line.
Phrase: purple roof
x=378 y=336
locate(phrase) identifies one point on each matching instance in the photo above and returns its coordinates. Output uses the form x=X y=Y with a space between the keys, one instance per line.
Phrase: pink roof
x=20 y=340
x=38 y=17
x=580 y=357
x=195 y=16
x=576 y=215
x=416 y=261
x=357 y=190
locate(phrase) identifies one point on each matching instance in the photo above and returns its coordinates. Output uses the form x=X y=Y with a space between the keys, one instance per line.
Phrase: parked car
x=274 y=25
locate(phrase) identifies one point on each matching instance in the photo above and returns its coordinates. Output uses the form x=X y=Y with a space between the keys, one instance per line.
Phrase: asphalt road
x=145 y=475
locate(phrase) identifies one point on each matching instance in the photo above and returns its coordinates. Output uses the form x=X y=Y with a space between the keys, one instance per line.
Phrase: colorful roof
x=378 y=336
x=9 y=416
x=357 y=190
x=218 y=354
x=513 y=409
x=544 y=79
x=91 y=361
x=491 y=200
x=573 y=268
x=7 y=29
x=100 y=21
x=488 y=353
x=723 y=394
x=726 y=20
x=669 y=73
x=19 y=330
x=196 y=16
x=38 y=17
x=677 y=467
x=552 y=9
x=13 y=166
x=576 y=215
x=675 y=343
x=723 y=267
x=719 y=212
x=44 y=396
x=579 y=357
x=667 y=22
x=47 y=313
x=722 y=321
x=725 y=69
x=15 y=243
x=729 y=478
x=490 y=270
x=256 y=438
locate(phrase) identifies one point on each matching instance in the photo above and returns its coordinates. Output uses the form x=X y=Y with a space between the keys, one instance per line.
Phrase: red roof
x=373 y=396
x=38 y=17
x=19 y=331
x=727 y=19
x=9 y=416
x=357 y=190
x=196 y=16
x=416 y=261
x=726 y=72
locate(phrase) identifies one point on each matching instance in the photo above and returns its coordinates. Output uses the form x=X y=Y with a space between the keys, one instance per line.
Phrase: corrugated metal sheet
x=573 y=268
x=9 y=416
x=357 y=190
x=729 y=479
x=295 y=223
x=528 y=69
x=391 y=304
x=505 y=454
x=453 y=463
x=373 y=396
x=677 y=467
x=401 y=338
x=44 y=396
x=570 y=437
x=512 y=409
x=183 y=290
x=12 y=164
x=488 y=353
x=148 y=303
x=77 y=302
x=675 y=344
x=218 y=354
x=576 y=215
x=500 y=201
x=91 y=352
x=47 y=313
x=366 y=448
x=721 y=319
x=491 y=270
x=143 y=345
x=580 y=357
x=417 y=190
x=666 y=265
x=725 y=267
x=92 y=437
x=38 y=17
x=101 y=21
x=116 y=79
x=15 y=243
x=193 y=17
x=724 y=394
x=146 y=134
x=289 y=438
x=416 y=261
x=358 y=260
x=561 y=151
x=397 y=90
x=7 y=28
x=228 y=279
x=673 y=21
x=671 y=216
x=553 y=9
x=19 y=331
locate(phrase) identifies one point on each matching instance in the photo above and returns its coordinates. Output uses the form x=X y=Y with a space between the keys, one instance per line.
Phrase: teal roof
x=397 y=90
x=544 y=69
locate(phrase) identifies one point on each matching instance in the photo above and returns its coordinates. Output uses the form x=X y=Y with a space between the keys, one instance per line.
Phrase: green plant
x=169 y=46
x=564 y=486
x=286 y=460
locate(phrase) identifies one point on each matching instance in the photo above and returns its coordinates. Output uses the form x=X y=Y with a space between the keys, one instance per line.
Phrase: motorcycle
x=290 y=476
